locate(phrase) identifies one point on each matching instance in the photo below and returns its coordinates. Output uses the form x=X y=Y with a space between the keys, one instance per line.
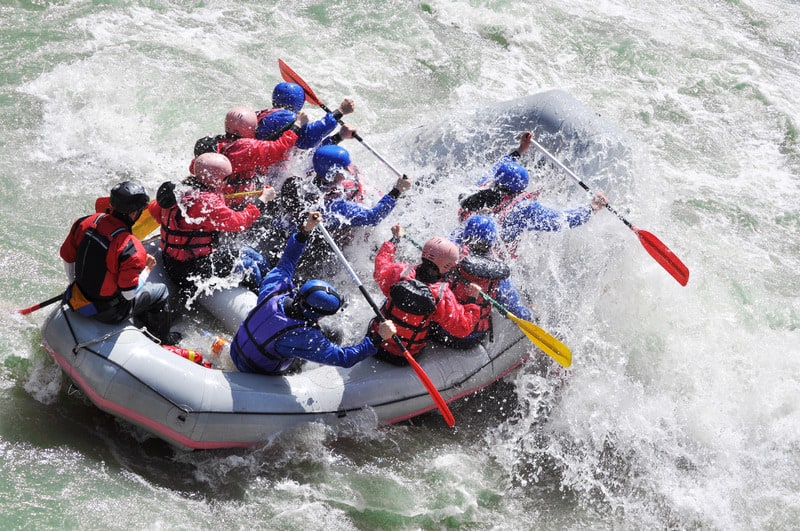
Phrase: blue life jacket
x=253 y=347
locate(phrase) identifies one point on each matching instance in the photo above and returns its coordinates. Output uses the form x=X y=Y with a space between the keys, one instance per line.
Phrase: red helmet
x=211 y=169
x=441 y=252
x=242 y=122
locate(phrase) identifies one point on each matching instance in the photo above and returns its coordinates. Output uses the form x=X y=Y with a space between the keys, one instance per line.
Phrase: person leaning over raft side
x=480 y=265
x=291 y=97
x=516 y=210
x=283 y=328
x=418 y=296
x=192 y=223
x=107 y=266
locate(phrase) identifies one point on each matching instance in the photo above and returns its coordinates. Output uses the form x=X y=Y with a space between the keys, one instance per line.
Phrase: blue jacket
x=342 y=212
x=313 y=133
x=529 y=214
x=305 y=342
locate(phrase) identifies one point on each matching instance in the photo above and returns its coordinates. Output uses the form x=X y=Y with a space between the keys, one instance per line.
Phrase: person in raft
x=108 y=266
x=192 y=222
x=480 y=265
x=291 y=97
x=418 y=296
x=282 y=330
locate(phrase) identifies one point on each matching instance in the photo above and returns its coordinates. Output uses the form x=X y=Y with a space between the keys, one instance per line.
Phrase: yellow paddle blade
x=145 y=225
x=549 y=345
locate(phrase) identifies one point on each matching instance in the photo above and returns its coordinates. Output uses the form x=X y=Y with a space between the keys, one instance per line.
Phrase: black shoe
x=173 y=338
x=295 y=367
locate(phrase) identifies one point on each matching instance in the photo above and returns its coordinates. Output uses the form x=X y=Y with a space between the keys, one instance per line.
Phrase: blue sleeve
x=358 y=216
x=508 y=296
x=312 y=345
x=532 y=215
x=313 y=133
x=281 y=275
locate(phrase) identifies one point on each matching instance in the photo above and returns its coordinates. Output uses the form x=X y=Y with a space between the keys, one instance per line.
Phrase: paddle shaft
x=582 y=184
x=293 y=77
x=426 y=381
x=48 y=302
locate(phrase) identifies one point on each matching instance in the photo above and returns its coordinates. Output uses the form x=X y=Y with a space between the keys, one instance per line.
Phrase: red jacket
x=249 y=157
x=194 y=234
x=457 y=319
x=125 y=258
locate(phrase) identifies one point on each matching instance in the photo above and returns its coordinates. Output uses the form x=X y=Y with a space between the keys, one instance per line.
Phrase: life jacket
x=253 y=345
x=183 y=244
x=409 y=306
x=92 y=278
x=486 y=273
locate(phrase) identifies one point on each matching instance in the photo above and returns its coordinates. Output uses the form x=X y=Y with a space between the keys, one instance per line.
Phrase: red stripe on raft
x=156 y=427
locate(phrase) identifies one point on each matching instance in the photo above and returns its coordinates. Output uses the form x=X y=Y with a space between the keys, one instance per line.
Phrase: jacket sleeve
x=313 y=133
x=127 y=260
x=283 y=272
x=456 y=319
x=358 y=216
x=312 y=345
x=532 y=215
x=155 y=210
x=271 y=151
x=69 y=248
x=225 y=219
x=387 y=272
x=508 y=296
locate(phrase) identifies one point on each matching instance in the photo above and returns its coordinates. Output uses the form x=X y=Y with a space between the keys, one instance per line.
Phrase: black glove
x=165 y=196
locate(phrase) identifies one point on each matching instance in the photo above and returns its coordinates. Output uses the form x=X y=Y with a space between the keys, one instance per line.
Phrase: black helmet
x=127 y=197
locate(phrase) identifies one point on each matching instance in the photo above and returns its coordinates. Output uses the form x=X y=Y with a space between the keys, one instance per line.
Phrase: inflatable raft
x=124 y=372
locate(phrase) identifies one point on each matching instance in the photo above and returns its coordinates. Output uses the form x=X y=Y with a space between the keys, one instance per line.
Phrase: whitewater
x=681 y=409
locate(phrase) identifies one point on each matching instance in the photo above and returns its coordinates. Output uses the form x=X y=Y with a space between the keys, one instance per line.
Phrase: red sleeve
x=225 y=219
x=387 y=272
x=456 y=319
x=127 y=258
x=272 y=151
x=155 y=209
x=69 y=248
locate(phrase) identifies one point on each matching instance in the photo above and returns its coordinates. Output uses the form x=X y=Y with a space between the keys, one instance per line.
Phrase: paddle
x=660 y=252
x=547 y=343
x=48 y=302
x=291 y=76
x=437 y=397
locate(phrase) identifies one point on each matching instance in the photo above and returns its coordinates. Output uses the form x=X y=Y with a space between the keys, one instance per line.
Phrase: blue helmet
x=318 y=298
x=272 y=126
x=480 y=228
x=510 y=177
x=329 y=158
x=288 y=96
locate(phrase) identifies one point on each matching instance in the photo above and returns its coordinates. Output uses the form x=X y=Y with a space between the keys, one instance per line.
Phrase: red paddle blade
x=291 y=76
x=664 y=256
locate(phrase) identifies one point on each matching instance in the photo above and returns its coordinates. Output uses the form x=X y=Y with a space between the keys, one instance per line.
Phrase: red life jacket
x=409 y=306
x=182 y=243
x=485 y=272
